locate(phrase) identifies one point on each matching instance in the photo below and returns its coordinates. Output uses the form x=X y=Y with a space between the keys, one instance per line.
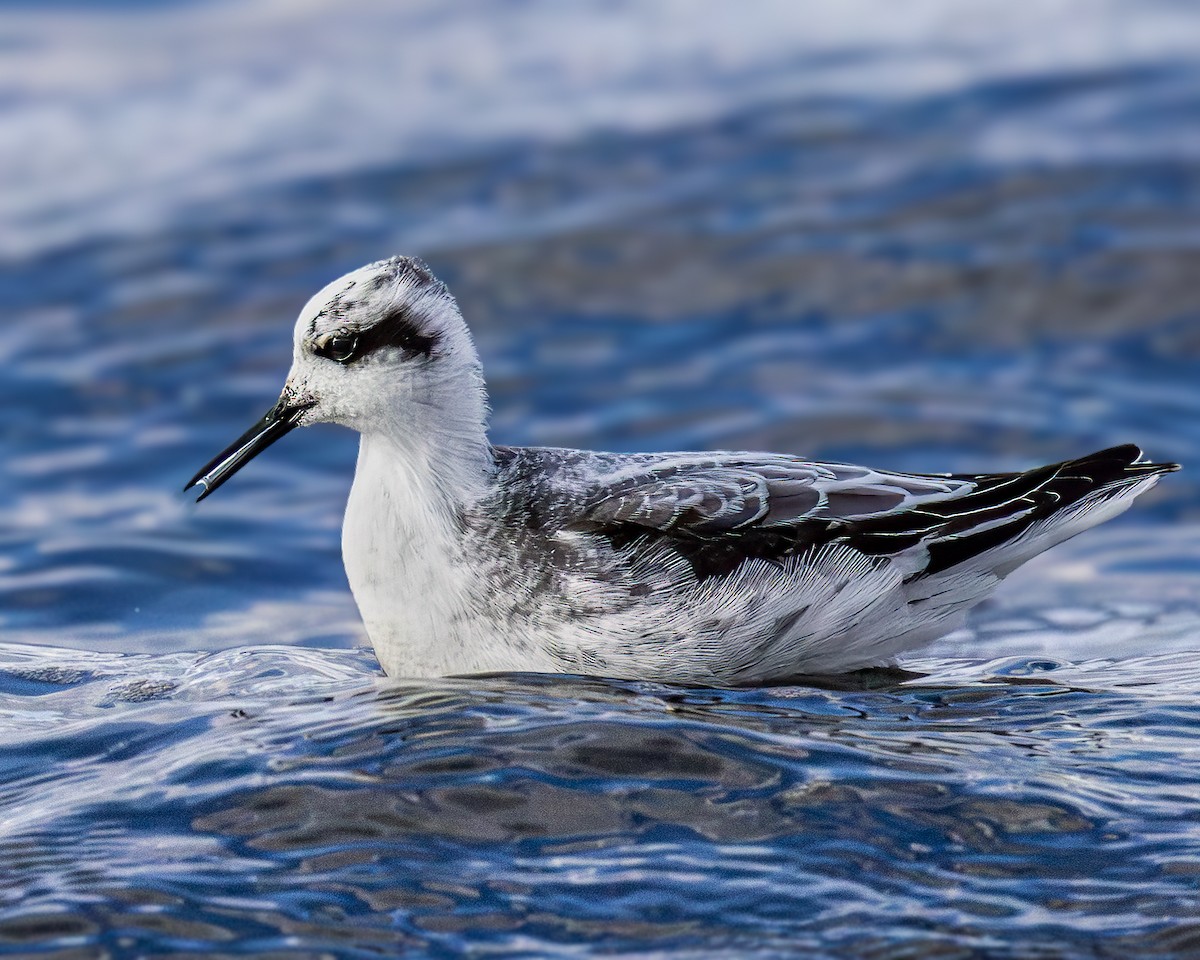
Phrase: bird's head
x=382 y=350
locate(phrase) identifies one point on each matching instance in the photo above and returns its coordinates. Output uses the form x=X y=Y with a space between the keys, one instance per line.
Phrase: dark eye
x=340 y=347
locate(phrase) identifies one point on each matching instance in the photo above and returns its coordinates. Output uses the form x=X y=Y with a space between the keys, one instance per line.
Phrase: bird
x=705 y=568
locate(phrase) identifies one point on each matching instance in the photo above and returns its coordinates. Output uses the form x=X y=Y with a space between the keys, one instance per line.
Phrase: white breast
x=422 y=604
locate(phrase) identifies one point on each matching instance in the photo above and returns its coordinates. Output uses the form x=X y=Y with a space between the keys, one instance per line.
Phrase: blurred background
x=938 y=235
x=956 y=236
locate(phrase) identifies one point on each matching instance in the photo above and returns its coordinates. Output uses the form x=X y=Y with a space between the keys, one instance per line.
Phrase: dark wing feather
x=721 y=511
x=688 y=495
x=1009 y=504
x=714 y=500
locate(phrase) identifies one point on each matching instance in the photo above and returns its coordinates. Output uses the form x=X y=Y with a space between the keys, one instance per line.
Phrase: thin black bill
x=278 y=421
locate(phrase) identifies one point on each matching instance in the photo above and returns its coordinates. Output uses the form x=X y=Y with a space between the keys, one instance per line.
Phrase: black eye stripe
x=397 y=330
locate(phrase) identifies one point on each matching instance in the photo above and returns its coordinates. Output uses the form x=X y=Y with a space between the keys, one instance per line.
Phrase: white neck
x=437 y=440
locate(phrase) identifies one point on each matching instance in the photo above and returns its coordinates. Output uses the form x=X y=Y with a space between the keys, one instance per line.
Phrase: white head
x=384 y=351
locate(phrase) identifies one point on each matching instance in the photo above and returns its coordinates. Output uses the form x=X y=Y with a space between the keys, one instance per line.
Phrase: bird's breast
x=428 y=590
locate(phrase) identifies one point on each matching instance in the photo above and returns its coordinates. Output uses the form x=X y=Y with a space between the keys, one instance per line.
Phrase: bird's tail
x=1080 y=494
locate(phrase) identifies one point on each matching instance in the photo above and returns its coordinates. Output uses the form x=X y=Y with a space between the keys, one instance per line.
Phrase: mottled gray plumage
x=692 y=567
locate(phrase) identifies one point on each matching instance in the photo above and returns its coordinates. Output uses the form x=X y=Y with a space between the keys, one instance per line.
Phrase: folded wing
x=722 y=509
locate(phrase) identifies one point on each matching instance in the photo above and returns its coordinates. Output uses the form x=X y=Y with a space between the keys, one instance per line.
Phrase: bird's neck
x=435 y=478
x=434 y=446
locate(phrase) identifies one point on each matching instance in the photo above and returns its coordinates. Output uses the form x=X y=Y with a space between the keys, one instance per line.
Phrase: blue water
x=941 y=244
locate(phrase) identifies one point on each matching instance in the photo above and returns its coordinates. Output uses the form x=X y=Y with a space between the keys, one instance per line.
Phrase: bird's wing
x=713 y=494
x=720 y=509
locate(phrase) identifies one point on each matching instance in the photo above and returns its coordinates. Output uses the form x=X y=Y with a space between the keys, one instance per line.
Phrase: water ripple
x=848 y=241
x=302 y=798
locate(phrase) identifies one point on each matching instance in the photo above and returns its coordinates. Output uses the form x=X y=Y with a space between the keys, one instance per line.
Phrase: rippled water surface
x=947 y=243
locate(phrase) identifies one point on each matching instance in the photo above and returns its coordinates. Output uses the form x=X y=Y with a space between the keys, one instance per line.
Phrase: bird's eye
x=341 y=347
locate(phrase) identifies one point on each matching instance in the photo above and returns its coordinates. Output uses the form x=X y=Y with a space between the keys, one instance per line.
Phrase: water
x=949 y=243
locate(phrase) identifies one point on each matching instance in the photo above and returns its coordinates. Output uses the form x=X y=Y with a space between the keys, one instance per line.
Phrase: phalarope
x=716 y=568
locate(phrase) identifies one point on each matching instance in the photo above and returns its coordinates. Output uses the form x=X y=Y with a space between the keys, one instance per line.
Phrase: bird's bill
x=280 y=420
